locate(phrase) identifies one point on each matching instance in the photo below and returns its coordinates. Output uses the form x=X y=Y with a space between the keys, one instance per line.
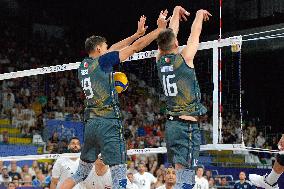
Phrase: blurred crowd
x=145 y=174
x=37 y=175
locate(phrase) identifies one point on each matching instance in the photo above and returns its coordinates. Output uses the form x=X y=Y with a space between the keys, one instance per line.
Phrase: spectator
x=8 y=104
x=12 y=185
x=45 y=168
x=242 y=183
x=4 y=177
x=16 y=181
x=60 y=100
x=17 y=116
x=260 y=140
x=208 y=174
x=37 y=107
x=14 y=169
x=41 y=180
x=34 y=168
x=170 y=179
x=200 y=181
x=143 y=179
x=131 y=168
x=1 y=166
x=29 y=116
x=25 y=171
x=53 y=140
x=63 y=146
x=160 y=181
x=130 y=183
x=211 y=183
x=27 y=181
x=14 y=174
x=224 y=184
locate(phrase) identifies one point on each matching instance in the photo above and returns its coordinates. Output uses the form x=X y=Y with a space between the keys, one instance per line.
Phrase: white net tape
x=160 y=150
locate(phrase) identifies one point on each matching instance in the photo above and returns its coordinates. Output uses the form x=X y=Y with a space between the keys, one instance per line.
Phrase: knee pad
x=280 y=159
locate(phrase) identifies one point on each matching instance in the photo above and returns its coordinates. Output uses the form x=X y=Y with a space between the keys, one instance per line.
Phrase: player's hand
x=204 y=13
x=162 y=21
x=182 y=13
x=281 y=143
x=141 y=28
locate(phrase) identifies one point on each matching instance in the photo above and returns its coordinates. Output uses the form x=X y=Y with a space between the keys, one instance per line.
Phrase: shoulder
x=149 y=174
x=109 y=55
x=161 y=187
x=59 y=161
x=86 y=61
x=248 y=182
x=204 y=179
x=63 y=159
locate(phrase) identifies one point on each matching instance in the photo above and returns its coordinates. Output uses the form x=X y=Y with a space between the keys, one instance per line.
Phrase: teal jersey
x=96 y=79
x=180 y=86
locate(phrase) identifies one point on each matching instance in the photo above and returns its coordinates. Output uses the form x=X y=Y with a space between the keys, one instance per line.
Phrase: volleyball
x=120 y=81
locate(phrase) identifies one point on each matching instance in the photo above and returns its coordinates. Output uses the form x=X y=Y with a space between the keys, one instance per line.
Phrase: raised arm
x=141 y=29
x=193 y=41
x=179 y=13
x=145 y=40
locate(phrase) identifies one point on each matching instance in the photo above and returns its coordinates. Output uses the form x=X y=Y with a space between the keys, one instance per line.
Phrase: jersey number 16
x=170 y=87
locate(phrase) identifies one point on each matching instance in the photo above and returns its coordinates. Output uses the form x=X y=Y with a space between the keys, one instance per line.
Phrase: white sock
x=272 y=177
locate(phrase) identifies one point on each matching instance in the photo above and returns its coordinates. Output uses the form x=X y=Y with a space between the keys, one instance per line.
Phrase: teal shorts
x=183 y=141
x=105 y=136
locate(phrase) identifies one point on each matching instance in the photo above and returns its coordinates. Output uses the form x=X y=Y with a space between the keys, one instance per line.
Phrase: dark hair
x=92 y=42
x=200 y=167
x=73 y=138
x=165 y=39
x=142 y=163
x=11 y=183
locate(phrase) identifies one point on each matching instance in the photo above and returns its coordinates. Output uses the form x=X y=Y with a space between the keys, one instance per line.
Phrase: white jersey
x=131 y=185
x=201 y=183
x=93 y=181
x=162 y=187
x=64 y=168
x=144 y=181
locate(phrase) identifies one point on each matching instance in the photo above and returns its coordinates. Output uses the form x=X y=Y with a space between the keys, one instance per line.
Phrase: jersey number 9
x=87 y=87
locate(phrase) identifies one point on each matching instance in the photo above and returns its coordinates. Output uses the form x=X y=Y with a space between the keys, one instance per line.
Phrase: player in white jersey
x=65 y=167
x=99 y=177
x=143 y=179
x=200 y=181
x=170 y=179
x=270 y=181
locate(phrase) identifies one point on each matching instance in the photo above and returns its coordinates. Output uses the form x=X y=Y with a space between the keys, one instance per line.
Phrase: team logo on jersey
x=86 y=64
x=167 y=60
